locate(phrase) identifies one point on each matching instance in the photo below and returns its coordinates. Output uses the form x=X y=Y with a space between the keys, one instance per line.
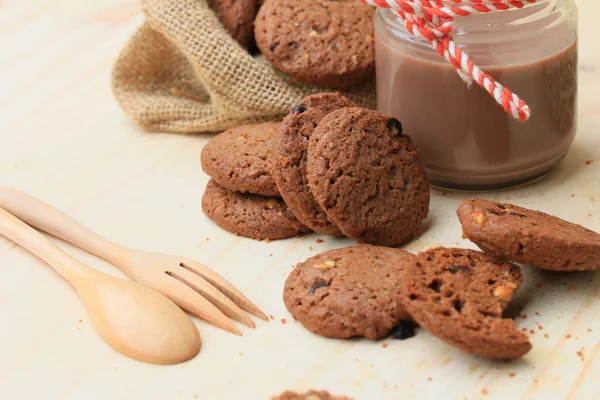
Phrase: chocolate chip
x=300 y=108
x=394 y=123
x=513 y=268
x=459 y=268
x=404 y=330
x=317 y=285
x=501 y=206
x=512 y=214
x=499 y=213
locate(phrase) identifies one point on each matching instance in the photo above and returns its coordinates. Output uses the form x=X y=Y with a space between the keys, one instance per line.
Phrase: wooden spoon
x=135 y=320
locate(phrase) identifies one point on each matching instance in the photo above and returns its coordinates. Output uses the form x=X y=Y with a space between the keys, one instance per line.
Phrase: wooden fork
x=191 y=285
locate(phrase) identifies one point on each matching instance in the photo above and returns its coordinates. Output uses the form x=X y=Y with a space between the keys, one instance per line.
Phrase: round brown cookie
x=237 y=16
x=529 y=237
x=367 y=176
x=320 y=42
x=354 y=291
x=240 y=159
x=289 y=154
x=459 y=295
x=310 y=395
x=256 y=217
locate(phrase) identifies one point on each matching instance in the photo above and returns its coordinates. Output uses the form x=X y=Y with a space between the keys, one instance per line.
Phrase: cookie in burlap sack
x=183 y=72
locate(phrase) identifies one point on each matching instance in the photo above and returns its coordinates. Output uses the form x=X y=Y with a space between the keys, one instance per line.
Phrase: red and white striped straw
x=433 y=20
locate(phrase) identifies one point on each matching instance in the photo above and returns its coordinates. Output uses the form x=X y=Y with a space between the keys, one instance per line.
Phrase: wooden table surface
x=64 y=139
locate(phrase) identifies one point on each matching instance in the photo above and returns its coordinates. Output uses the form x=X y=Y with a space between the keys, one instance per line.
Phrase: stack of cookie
x=327 y=43
x=242 y=196
x=457 y=295
x=340 y=169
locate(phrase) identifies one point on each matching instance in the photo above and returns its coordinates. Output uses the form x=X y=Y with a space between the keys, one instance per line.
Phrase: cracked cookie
x=459 y=295
x=256 y=217
x=367 y=177
x=319 y=42
x=240 y=159
x=529 y=237
x=354 y=291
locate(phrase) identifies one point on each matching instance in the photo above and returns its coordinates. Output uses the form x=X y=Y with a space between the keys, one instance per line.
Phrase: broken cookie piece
x=529 y=237
x=459 y=296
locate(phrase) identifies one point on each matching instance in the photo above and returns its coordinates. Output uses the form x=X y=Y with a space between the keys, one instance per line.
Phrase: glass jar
x=465 y=138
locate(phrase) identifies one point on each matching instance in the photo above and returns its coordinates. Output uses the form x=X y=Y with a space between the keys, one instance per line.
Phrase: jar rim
x=542 y=12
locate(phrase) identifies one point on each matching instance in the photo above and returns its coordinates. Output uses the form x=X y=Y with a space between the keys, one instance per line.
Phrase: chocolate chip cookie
x=256 y=217
x=459 y=296
x=237 y=16
x=354 y=291
x=240 y=159
x=310 y=395
x=529 y=237
x=289 y=158
x=367 y=177
x=320 y=42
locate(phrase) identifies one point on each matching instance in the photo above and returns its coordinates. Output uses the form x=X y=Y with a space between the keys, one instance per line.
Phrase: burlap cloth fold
x=183 y=72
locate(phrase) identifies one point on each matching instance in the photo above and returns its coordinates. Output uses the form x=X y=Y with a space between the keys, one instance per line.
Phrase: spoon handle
x=50 y=220
x=28 y=238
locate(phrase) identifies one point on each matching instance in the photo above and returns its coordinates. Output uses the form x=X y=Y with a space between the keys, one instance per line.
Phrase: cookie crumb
x=546 y=335
x=283 y=321
x=532 y=331
x=271 y=316
x=511 y=374
x=195 y=396
x=207 y=239
x=523 y=316
x=444 y=194
x=385 y=345
x=589 y=330
x=240 y=353
x=536 y=381
x=540 y=327
x=484 y=392
x=588 y=162
x=580 y=354
x=80 y=321
x=271 y=255
x=568 y=337
x=430 y=379
x=310 y=248
x=572 y=195
x=319 y=241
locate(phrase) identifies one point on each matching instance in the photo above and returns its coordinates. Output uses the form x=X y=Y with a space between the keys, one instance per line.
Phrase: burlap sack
x=183 y=72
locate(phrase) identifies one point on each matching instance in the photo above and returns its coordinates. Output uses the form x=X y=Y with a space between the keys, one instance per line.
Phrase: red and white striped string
x=433 y=20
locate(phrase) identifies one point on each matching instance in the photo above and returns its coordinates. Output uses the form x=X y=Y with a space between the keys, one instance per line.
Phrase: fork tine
x=213 y=295
x=191 y=301
x=227 y=288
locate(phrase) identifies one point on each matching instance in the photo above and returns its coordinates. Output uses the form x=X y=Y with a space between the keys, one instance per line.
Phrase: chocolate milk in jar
x=465 y=138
